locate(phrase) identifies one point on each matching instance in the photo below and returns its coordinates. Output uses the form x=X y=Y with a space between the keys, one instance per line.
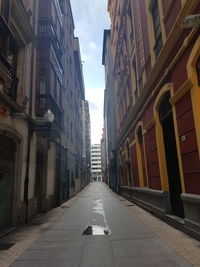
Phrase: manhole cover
x=6 y=246
x=96 y=230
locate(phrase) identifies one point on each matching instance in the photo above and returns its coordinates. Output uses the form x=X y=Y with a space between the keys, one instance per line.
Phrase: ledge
x=191 y=198
x=145 y=190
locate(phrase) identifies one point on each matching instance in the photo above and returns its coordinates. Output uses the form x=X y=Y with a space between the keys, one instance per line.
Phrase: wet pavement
x=99 y=230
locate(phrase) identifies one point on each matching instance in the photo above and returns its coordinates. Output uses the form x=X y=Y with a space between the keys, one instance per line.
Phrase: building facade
x=109 y=134
x=42 y=160
x=18 y=28
x=87 y=140
x=96 y=171
x=156 y=73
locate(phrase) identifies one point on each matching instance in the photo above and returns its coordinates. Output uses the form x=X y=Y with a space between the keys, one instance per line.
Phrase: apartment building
x=41 y=94
x=156 y=89
x=109 y=131
x=96 y=171
x=18 y=28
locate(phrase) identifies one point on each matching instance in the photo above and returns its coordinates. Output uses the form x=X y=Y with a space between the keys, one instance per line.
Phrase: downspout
x=26 y=182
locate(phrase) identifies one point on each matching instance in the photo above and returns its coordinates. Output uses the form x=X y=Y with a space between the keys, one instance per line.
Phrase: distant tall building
x=87 y=139
x=96 y=172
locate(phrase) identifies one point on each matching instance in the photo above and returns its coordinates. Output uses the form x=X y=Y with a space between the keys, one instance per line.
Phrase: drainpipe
x=26 y=182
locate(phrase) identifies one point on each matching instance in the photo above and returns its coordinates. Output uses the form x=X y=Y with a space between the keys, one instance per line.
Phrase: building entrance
x=166 y=119
x=7 y=173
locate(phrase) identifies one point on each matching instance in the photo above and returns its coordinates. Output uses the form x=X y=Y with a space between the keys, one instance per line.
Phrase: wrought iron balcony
x=47 y=101
x=8 y=78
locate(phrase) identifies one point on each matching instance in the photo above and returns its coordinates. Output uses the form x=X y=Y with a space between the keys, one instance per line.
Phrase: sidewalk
x=129 y=237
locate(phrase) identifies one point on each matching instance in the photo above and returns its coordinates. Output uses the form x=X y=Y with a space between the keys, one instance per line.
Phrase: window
x=135 y=79
x=53 y=83
x=67 y=126
x=43 y=28
x=42 y=90
x=130 y=22
x=139 y=134
x=157 y=28
x=4 y=8
x=198 y=71
x=71 y=132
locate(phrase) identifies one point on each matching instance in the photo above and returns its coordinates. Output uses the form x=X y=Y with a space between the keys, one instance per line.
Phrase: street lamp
x=49 y=116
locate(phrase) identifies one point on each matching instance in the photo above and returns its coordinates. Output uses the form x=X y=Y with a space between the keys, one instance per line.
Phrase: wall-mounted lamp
x=49 y=116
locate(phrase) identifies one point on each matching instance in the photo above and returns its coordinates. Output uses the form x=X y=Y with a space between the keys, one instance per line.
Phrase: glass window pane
x=42 y=84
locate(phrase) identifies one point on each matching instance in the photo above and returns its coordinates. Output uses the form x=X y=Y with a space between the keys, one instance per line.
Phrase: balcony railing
x=8 y=78
x=46 y=101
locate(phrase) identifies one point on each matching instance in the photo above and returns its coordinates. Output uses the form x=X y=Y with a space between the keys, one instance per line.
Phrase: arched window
x=198 y=71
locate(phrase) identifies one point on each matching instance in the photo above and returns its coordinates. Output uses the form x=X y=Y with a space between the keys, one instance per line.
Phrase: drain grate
x=6 y=246
x=130 y=205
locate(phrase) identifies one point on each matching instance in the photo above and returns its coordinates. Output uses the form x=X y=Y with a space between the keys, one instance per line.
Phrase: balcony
x=47 y=101
x=47 y=29
x=8 y=79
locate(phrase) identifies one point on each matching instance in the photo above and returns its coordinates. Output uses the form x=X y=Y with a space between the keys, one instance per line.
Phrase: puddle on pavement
x=96 y=230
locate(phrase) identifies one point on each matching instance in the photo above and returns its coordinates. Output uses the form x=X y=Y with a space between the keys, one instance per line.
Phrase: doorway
x=7 y=174
x=141 y=147
x=166 y=120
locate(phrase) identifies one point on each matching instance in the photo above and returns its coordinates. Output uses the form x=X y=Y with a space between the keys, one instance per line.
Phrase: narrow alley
x=102 y=229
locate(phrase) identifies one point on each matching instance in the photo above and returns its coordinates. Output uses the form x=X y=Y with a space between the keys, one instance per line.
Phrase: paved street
x=121 y=238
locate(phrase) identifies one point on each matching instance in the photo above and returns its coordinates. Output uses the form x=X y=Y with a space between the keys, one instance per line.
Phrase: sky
x=91 y=18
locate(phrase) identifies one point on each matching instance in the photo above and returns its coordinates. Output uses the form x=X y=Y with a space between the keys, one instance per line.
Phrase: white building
x=96 y=173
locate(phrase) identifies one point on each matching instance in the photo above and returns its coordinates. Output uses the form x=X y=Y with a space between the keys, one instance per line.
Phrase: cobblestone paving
x=182 y=243
x=24 y=236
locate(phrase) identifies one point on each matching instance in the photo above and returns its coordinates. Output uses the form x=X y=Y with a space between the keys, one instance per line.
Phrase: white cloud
x=93 y=46
x=95 y=96
x=91 y=18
